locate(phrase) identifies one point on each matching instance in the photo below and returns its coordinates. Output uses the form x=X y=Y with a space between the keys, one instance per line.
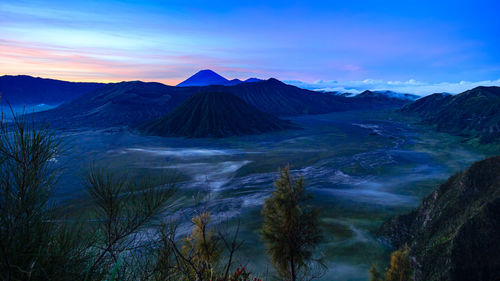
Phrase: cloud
x=411 y=86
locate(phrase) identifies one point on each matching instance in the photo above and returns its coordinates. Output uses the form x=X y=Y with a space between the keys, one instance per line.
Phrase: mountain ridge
x=216 y=115
x=28 y=90
x=453 y=235
x=203 y=78
x=207 y=77
x=129 y=103
x=474 y=114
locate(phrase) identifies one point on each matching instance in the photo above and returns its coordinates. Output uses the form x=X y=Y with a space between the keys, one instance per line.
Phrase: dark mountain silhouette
x=389 y=95
x=214 y=114
x=129 y=103
x=204 y=78
x=117 y=104
x=275 y=97
x=233 y=82
x=208 y=77
x=474 y=113
x=382 y=99
x=453 y=235
x=426 y=106
x=27 y=90
x=251 y=80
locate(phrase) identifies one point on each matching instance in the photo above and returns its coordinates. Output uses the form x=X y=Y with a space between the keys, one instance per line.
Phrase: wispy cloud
x=410 y=87
x=169 y=40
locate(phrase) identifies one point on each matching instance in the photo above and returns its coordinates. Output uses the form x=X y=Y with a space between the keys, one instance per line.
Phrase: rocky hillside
x=216 y=115
x=474 y=113
x=455 y=233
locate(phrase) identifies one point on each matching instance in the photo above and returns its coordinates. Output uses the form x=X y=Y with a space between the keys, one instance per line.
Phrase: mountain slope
x=214 y=114
x=130 y=103
x=275 y=97
x=251 y=80
x=454 y=234
x=27 y=90
x=117 y=104
x=474 y=113
x=376 y=99
x=389 y=95
x=428 y=105
x=204 y=78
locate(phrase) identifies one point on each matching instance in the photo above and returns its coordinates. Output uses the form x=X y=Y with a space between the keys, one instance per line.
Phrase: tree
x=291 y=229
x=207 y=253
x=123 y=208
x=375 y=274
x=400 y=268
x=36 y=243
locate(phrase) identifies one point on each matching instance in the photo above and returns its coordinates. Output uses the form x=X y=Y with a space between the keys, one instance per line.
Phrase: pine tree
x=203 y=249
x=375 y=274
x=291 y=229
x=400 y=269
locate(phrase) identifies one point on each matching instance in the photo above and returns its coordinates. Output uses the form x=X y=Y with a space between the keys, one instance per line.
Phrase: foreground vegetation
x=130 y=231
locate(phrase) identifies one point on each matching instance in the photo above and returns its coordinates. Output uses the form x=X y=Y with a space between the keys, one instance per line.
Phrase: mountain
x=474 y=113
x=116 y=104
x=251 y=80
x=208 y=77
x=277 y=98
x=381 y=99
x=233 y=82
x=130 y=103
x=395 y=95
x=214 y=114
x=27 y=90
x=204 y=78
x=426 y=106
x=454 y=234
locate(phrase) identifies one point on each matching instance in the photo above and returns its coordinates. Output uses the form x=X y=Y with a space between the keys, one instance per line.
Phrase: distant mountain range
x=454 y=234
x=382 y=99
x=388 y=94
x=214 y=114
x=27 y=90
x=115 y=104
x=208 y=77
x=130 y=103
x=474 y=113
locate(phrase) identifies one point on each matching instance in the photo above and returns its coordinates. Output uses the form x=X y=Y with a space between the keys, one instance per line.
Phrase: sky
x=417 y=46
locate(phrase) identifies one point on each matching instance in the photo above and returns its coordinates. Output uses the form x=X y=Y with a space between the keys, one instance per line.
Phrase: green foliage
x=291 y=229
x=400 y=268
x=375 y=274
x=39 y=242
x=117 y=236
x=445 y=228
x=208 y=253
x=36 y=242
x=200 y=251
x=123 y=207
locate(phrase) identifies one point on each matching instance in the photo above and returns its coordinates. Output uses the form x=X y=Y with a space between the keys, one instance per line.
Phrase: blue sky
x=318 y=42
